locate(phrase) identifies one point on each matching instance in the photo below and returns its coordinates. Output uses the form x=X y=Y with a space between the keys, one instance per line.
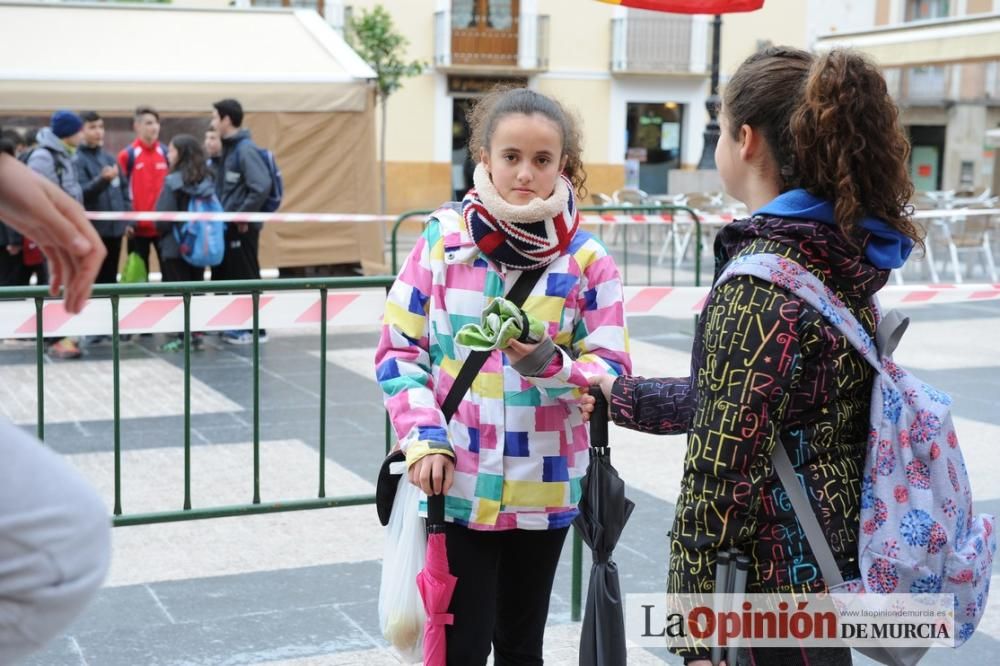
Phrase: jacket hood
x=885 y=247
x=236 y=138
x=817 y=245
x=47 y=138
x=205 y=188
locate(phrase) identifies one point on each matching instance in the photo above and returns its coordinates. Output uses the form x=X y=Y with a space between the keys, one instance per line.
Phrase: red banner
x=692 y=6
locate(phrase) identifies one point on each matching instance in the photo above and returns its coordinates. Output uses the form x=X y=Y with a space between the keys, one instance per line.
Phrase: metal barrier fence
x=606 y=217
x=187 y=290
x=322 y=286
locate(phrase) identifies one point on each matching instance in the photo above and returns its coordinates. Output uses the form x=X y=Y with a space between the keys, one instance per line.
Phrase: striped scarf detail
x=520 y=237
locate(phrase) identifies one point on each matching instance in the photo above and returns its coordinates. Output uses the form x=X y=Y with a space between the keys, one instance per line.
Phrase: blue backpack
x=202 y=242
x=274 y=197
x=277 y=183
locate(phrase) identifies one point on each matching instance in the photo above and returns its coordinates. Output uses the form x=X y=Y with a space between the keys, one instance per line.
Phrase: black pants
x=178 y=270
x=13 y=272
x=109 y=269
x=240 y=260
x=142 y=246
x=502 y=596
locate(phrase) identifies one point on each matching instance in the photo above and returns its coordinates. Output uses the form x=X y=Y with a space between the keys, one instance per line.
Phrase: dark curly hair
x=832 y=129
x=503 y=101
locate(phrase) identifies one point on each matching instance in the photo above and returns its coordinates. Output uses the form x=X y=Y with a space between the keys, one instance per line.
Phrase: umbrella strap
x=441 y=619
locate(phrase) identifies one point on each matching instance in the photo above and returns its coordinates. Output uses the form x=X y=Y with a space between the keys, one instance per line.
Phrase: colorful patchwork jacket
x=767 y=370
x=519 y=443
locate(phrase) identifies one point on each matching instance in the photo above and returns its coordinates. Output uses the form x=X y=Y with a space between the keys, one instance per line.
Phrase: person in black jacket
x=243 y=185
x=103 y=191
x=813 y=146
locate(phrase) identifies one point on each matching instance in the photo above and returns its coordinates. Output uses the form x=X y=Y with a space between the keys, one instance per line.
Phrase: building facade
x=941 y=59
x=638 y=81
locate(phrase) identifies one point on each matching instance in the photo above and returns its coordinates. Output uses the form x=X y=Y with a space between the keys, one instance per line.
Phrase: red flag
x=691 y=6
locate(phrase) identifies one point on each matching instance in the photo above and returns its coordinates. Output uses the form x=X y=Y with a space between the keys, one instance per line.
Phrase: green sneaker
x=173 y=346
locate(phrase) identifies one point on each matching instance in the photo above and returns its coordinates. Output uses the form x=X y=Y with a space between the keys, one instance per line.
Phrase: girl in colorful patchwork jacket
x=511 y=460
x=813 y=146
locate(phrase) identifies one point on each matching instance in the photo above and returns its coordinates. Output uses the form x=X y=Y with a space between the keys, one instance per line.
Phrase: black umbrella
x=604 y=510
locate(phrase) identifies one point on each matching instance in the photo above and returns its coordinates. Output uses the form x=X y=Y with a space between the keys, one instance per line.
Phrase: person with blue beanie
x=53 y=159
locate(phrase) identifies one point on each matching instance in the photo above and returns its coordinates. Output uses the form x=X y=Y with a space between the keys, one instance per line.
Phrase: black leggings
x=502 y=596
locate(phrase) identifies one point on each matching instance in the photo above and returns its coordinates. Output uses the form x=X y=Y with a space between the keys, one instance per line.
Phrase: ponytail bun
x=848 y=146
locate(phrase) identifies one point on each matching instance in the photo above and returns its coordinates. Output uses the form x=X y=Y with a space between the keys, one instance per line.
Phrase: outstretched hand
x=57 y=223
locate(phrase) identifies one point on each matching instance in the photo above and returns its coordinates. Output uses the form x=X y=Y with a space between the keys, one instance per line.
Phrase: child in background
x=189 y=177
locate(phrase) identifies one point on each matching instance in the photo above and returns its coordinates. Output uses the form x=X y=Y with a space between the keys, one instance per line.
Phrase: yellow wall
x=782 y=22
x=417 y=185
x=579 y=34
x=410 y=123
x=589 y=101
x=413 y=18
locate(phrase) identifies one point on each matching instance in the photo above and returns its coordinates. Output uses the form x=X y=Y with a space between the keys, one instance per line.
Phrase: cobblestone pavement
x=300 y=589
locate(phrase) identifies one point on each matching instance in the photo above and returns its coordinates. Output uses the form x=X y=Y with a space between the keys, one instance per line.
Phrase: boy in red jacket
x=144 y=165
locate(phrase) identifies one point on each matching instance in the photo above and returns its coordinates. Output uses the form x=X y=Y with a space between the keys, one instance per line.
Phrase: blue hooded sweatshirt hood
x=886 y=248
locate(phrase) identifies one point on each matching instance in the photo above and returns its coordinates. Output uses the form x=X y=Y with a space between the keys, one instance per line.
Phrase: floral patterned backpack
x=918 y=533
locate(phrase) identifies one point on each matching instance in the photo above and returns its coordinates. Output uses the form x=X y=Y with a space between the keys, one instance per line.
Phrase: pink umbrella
x=436 y=585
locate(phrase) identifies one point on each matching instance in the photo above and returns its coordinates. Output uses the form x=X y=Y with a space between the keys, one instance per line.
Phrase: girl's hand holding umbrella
x=433 y=473
x=587 y=401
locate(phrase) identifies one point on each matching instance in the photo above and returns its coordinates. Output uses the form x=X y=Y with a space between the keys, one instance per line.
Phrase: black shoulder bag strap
x=473 y=363
x=385 y=487
x=517 y=295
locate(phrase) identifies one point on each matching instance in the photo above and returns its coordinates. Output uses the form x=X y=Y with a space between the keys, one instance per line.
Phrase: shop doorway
x=926 y=156
x=653 y=139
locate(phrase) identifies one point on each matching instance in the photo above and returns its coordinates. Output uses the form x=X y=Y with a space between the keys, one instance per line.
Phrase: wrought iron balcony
x=476 y=43
x=660 y=44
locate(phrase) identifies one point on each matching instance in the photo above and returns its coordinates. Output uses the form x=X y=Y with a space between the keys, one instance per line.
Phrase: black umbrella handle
x=435 y=513
x=599 y=419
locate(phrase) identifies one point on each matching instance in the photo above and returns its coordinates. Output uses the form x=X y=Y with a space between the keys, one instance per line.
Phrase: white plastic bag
x=400 y=608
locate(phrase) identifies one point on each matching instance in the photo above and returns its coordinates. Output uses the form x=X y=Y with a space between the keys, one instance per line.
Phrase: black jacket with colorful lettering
x=767 y=370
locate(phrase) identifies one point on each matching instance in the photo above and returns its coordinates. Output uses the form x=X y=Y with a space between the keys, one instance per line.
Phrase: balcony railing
x=523 y=44
x=660 y=45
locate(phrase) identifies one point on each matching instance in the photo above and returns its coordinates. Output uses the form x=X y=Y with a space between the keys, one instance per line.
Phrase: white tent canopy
x=104 y=56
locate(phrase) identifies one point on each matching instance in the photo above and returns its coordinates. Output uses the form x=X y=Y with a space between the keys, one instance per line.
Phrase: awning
x=938 y=41
x=110 y=57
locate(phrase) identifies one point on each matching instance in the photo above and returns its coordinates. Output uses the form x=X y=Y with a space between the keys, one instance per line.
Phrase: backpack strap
x=57 y=165
x=791 y=276
x=129 y=162
x=518 y=293
x=807 y=517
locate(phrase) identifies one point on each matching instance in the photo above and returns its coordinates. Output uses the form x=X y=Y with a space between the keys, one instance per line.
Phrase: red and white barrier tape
x=164 y=314
x=340 y=218
x=623 y=218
